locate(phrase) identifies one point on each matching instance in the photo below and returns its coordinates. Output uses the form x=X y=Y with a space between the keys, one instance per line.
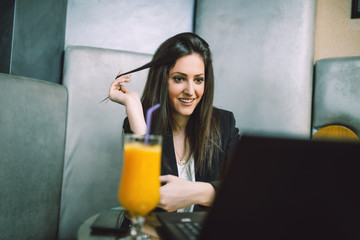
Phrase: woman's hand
x=179 y=193
x=131 y=100
x=120 y=93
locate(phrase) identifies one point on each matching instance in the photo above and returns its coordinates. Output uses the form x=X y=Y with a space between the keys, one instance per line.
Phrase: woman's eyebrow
x=180 y=73
x=200 y=74
x=184 y=74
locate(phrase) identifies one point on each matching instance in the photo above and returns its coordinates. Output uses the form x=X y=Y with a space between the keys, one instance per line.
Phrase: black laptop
x=282 y=188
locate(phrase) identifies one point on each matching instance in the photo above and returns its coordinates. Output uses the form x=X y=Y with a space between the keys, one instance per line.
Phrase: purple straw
x=148 y=120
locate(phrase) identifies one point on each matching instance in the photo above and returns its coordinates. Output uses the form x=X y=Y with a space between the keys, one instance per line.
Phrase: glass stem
x=140 y=221
x=136 y=231
x=133 y=229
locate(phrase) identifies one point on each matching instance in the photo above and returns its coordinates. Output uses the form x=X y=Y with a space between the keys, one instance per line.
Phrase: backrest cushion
x=32 y=141
x=93 y=155
x=263 y=61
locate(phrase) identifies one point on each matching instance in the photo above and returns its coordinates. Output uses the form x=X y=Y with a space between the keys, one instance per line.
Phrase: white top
x=187 y=172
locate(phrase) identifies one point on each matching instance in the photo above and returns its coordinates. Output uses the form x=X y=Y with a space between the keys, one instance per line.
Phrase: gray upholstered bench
x=61 y=149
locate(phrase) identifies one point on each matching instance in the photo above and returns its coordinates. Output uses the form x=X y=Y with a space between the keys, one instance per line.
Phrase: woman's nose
x=189 y=89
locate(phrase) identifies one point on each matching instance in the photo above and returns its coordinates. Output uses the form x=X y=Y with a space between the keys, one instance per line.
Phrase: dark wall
x=38 y=37
x=6 y=27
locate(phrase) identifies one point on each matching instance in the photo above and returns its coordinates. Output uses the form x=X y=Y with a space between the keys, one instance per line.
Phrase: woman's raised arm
x=131 y=100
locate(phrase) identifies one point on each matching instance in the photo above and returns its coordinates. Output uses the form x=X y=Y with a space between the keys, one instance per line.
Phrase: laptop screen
x=277 y=188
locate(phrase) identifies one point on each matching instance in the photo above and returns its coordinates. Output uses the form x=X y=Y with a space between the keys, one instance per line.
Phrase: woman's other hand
x=179 y=193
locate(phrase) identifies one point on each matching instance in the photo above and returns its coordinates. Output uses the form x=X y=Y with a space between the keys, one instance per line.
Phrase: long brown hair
x=202 y=129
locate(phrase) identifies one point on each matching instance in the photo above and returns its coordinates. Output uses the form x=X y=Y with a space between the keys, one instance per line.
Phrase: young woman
x=196 y=136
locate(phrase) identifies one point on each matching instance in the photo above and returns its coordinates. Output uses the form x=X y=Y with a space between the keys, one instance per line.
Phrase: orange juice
x=140 y=184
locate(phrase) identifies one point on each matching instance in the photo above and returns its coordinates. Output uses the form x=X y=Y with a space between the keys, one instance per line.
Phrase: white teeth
x=185 y=100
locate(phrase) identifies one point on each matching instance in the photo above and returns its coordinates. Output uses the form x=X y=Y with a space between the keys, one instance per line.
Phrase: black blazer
x=229 y=136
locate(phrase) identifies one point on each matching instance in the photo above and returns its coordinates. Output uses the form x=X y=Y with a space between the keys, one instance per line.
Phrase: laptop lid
x=277 y=188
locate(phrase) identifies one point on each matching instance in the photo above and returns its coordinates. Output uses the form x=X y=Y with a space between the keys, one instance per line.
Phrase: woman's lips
x=187 y=101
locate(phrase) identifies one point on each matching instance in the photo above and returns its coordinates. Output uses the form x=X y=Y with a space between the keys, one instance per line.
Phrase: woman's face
x=186 y=85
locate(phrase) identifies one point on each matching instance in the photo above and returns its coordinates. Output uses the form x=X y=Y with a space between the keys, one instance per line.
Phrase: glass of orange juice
x=139 y=189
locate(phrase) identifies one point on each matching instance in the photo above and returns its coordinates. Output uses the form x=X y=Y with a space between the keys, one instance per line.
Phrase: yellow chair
x=335 y=133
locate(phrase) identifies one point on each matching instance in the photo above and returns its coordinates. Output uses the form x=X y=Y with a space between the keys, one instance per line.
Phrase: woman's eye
x=178 y=79
x=199 y=80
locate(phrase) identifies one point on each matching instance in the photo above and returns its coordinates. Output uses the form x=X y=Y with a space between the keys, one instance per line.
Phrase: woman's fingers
x=123 y=89
x=120 y=93
x=166 y=178
x=119 y=75
x=117 y=83
x=122 y=79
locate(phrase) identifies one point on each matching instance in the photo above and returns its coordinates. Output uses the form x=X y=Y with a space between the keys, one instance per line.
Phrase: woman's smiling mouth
x=185 y=100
